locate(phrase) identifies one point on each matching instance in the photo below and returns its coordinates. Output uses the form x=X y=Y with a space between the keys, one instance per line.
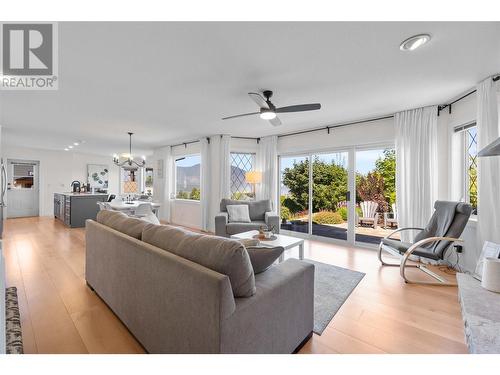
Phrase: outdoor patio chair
x=391 y=221
x=443 y=230
x=370 y=214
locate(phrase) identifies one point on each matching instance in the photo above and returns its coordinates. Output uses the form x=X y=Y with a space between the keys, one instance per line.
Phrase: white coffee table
x=287 y=242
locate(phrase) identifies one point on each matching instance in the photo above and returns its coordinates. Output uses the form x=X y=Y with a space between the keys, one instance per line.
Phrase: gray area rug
x=332 y=287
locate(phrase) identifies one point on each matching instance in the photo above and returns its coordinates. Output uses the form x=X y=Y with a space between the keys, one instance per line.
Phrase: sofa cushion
x=119 y=221
x=235 y=228
x=228 y=257
x=263 y=257
x=238 y=213
x=257 y=209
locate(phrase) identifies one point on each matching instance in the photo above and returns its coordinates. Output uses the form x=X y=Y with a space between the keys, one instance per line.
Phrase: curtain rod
x=444 y=106
x=327 y=128
x=208 y=139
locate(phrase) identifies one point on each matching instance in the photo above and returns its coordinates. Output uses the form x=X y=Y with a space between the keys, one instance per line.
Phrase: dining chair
x=143 y=209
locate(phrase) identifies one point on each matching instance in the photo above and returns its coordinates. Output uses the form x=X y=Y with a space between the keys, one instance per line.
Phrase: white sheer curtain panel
x=416 y=167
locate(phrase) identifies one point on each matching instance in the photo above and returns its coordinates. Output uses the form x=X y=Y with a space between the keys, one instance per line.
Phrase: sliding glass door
x=294 y=193
x=316 y=199
x=329 y=195
x=376 y=214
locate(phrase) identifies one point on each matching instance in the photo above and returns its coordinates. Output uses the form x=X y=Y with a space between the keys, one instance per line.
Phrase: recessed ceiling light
x=66 y=149
x=70 y=146
x=414 y=42
x=76 y=143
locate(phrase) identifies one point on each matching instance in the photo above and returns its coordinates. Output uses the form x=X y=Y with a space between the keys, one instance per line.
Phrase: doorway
x=22 y=188
x=330 y=195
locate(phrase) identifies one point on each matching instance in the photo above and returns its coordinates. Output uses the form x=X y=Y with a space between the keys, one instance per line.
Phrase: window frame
x=254 y=162
x=175 y=160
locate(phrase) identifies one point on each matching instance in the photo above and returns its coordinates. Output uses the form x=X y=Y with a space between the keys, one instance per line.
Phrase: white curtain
x=416 y=167
x=163 y=181
x=205 y=183
x=488 y=167
x=225 y=167
x=267 y=164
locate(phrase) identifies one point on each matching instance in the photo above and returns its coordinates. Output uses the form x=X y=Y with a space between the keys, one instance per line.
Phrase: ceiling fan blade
x=258 y=99
x=299 y=108
x=276 y=121
x=242 y=115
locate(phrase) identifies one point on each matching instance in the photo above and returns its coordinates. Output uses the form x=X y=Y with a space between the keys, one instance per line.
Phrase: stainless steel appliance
x=76 y=186
x=3 y=187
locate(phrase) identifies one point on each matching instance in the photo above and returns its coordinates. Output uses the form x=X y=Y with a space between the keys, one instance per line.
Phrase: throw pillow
x=248 y=242
x=238 y=213
x=263 y=257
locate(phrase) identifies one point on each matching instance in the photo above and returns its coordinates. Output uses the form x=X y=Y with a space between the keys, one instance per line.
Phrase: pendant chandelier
x=127 y=161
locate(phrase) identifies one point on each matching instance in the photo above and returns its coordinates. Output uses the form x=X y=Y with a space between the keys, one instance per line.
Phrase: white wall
x=364 y=134
x=58 y=169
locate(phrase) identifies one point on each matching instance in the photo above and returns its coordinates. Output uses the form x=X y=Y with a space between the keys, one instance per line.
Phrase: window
x=130 y=181
x=23 y=175
x=148 y=181
x=240 y=164
x=471 y=167
x=187 y=177
x=469 y=134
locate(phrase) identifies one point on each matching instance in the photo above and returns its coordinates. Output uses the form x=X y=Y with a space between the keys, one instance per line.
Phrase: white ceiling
x=172 y=82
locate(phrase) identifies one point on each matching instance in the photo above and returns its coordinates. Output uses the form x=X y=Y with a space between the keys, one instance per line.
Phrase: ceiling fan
x=268 y=110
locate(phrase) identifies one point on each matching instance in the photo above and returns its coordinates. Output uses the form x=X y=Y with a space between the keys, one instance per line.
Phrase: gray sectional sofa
x=260 y=214
x=184 y=292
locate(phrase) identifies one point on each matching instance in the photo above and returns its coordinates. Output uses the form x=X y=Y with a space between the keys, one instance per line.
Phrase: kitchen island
x=74 y=208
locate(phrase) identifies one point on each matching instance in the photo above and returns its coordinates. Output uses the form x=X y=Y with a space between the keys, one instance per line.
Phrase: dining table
x=129 y=207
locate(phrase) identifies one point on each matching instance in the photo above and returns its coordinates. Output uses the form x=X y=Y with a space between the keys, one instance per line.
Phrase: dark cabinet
x=74 y=209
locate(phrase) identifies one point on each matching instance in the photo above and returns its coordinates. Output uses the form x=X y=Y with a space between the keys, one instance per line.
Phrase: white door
x=22 y=188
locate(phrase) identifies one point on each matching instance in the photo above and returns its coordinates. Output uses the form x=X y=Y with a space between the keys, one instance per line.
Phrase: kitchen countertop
x=71 y=194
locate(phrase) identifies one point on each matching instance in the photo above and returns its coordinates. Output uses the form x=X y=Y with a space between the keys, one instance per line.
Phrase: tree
x=372 y=188
x=329 y=185
x=195 y=194
x=386 y=167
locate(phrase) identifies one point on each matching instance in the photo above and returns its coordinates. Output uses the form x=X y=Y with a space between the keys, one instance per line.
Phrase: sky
x=189 y=161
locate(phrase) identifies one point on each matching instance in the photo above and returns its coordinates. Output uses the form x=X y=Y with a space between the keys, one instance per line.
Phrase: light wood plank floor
x=45 y=261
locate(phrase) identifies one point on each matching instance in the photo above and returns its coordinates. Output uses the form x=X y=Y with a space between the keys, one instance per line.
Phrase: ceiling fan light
x=414 y=42
x=267 y=115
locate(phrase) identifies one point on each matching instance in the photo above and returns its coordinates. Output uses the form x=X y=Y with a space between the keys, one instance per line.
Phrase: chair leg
x=441 y=280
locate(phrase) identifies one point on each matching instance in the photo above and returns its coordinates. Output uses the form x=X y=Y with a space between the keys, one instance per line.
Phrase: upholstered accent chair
x=260 y=215
x=443 y=230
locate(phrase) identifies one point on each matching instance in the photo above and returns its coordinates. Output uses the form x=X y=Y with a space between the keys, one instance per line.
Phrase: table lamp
x=253 y=177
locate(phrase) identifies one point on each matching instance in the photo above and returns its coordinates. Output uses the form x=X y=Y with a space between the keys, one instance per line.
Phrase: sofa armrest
x=285 y=297
x=221 y=220
x=272 y=219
